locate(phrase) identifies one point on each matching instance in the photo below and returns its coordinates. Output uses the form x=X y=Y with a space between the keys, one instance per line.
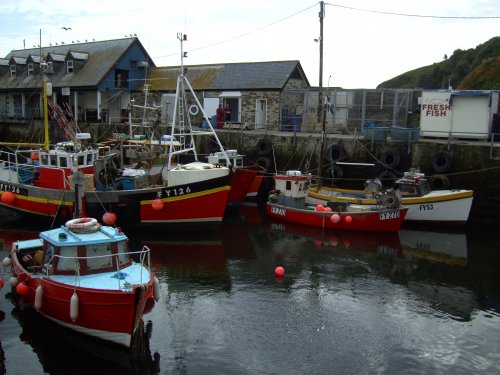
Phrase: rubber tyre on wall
x=440 y=182
x=334 y=171
x=264 y=162
x=442 y=162
x=264 y=147
x=387 y=178
x=391 y=158
x=336 y=152
x=212 y=145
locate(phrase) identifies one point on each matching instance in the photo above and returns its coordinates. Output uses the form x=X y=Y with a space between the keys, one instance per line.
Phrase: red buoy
x=1 y=283
x=23 y=288
x=320 y=207
x=8 y=197
x=109 y=218
x=335 y=218
x=348 y=219
x=157 y=204
x=279 y=271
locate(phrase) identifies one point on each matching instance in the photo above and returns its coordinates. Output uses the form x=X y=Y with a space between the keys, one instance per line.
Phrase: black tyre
x=442 y=162
x=440 y=182
x=264 y=147
x=336 y=152
x=391 y=158
x=264 y=162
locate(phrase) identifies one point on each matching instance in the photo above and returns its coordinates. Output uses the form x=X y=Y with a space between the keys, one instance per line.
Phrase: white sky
x=361 y=49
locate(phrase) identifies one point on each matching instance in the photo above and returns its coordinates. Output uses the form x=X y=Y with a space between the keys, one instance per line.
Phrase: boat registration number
x=387 y=215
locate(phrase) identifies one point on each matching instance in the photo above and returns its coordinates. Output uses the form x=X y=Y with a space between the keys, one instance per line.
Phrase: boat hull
x=440 y=206
x=388 y=220
x=110 y=315
x=195 y=202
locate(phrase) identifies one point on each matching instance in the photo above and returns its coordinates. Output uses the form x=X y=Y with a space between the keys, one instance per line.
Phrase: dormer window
x=31 y=69
x=69 y=66
x=12 y=70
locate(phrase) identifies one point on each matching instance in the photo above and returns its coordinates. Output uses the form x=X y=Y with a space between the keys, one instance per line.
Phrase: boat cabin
x=235 y=159
x=412 y=185
x=291 y=188
x=63 y=251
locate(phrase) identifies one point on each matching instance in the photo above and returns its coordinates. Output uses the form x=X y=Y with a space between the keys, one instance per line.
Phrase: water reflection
x=349 y=302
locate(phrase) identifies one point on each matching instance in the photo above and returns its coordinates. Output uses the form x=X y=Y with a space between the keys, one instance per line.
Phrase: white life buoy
x=193 y=110
x=81 y=223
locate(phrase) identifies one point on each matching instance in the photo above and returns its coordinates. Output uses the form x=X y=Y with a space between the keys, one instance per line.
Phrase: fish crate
x=399 y=133
x=376 y=133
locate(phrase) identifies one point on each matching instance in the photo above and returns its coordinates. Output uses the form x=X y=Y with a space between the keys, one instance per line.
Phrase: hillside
x=473 y=69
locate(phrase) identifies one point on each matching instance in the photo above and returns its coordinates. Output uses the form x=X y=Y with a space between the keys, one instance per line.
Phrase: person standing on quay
x=227 y=113
x=220 y=116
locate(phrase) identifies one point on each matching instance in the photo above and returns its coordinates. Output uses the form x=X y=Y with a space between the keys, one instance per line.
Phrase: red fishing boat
x=147 y=179
x=84 y=277
x=287 y=203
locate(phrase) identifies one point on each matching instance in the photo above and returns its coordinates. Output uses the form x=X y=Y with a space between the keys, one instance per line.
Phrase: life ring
x=439 y=182
x=264 y=147
x=81 y=223
x=442 y=162
x=391 y=158
x=334 y=171
x=387 y=178
x=264 y=162
x=336 y=152
x=193 y=110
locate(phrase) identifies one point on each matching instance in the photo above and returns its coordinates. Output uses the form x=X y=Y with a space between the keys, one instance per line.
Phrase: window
x=99 y=256
x=122 y=252
x=31 y=69
x=69 y=66
x=133 y=65
x=12 y=70
x=68 y=260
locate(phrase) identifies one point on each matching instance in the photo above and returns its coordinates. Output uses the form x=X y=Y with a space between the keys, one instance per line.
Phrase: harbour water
x=416 y=302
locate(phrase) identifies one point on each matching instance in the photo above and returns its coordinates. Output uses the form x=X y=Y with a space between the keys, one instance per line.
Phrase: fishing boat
x=176 y=189
x=287 y=203
x=84 y=277
x=424 y=205
x=246 y=179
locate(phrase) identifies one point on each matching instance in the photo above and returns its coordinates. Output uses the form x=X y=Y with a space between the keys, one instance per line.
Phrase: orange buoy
x=23 y=288
x=109 y=218
x=157 y=204
x=8 y=197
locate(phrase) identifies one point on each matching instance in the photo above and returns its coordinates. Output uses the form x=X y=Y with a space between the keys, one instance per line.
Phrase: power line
x=412 y=15
x=244 y=34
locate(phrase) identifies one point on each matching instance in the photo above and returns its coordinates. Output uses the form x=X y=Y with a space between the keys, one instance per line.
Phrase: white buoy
x=7 y=261
x=73 y=307
x=13 y=281
x=38 y=297
x=156 y=289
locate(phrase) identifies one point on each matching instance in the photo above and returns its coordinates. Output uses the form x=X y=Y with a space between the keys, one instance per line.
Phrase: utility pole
x=321 y=16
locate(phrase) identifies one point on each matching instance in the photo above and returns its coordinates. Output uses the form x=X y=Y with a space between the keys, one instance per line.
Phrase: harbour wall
x=465 y=164
x=475 y=164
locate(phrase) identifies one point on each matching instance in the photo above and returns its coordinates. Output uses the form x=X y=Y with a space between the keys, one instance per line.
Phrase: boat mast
x=179 y=106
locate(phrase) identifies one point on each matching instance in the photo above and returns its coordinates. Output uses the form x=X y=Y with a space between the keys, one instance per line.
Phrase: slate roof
x=102 y=57
x=270 y=75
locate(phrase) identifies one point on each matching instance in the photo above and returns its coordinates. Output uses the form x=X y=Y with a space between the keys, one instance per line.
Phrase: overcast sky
x=362 y=47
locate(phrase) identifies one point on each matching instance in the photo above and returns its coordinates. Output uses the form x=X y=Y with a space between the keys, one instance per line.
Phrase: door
x=261 y=114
